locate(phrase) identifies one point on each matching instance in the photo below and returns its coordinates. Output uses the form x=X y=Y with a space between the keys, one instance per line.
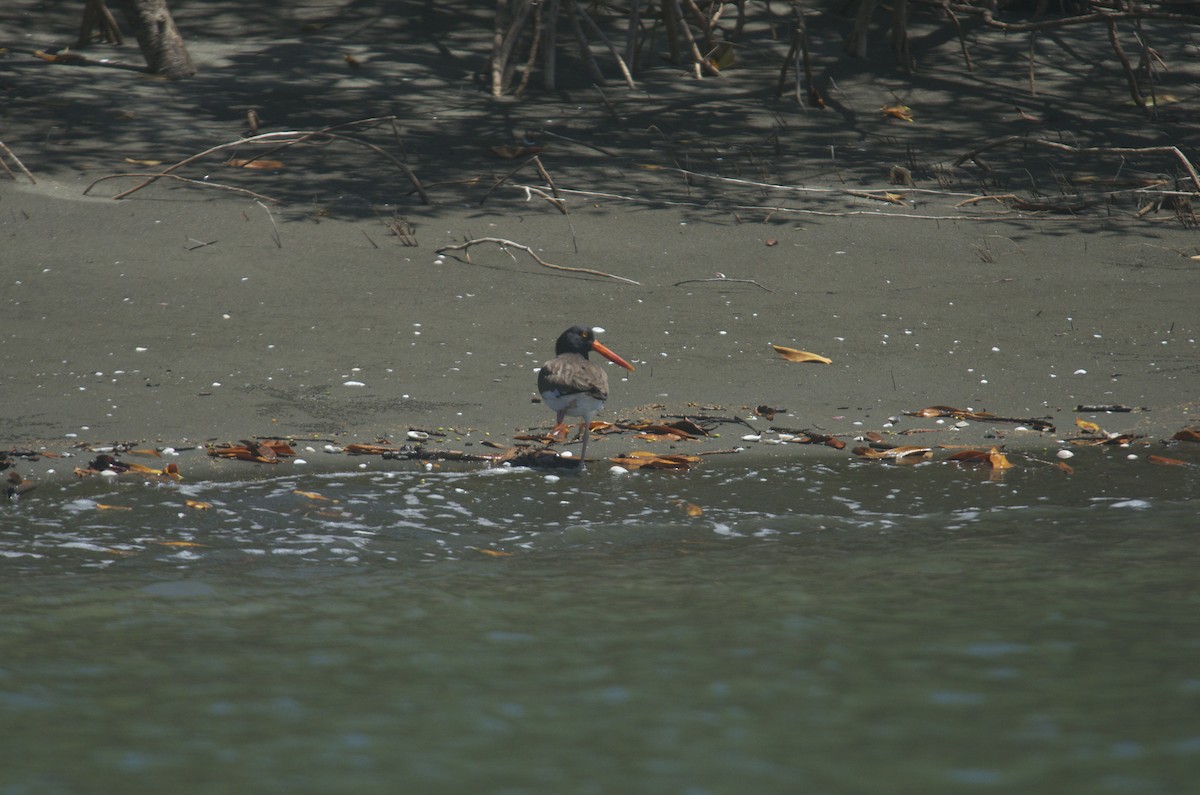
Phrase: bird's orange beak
x=612 y=357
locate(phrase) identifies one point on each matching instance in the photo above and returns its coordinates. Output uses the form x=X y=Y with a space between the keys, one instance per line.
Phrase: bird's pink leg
x=560 y=430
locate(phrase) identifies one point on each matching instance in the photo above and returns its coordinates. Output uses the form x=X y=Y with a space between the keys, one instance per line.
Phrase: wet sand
x=182 y=315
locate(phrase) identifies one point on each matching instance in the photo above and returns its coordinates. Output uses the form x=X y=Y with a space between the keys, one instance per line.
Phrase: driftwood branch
x=988 y=17
x=1170 y=151
x=541 y=170
x=507 y=244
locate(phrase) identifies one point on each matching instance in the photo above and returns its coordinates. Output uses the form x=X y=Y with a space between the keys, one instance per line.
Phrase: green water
x=816 y=630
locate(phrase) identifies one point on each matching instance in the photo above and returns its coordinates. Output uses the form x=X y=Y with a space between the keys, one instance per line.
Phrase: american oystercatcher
x=573 y=385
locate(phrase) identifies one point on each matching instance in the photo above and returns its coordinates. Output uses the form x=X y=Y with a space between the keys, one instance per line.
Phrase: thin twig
x=286 y=138
x=201 y=183
x=600 y=149
x=725 y=279
x=1130 y=78
x=801 y=188
x=16 y=160
x=506 y=244
x=585 y=50
x=537 y=161
x=504 y=179
x=699 y=61
x=275 y=233
x=558 y=203
x=503 y=42
x=534 y=46
x=611 y=49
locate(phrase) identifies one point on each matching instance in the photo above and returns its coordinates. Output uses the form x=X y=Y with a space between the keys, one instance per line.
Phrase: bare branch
x=506 y=244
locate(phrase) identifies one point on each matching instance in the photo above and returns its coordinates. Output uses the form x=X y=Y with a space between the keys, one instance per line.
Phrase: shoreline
x=212 y=346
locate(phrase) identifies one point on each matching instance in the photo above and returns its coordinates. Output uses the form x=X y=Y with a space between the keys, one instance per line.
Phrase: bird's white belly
x=577 y=404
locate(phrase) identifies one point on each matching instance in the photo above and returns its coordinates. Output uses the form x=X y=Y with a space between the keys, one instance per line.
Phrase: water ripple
x=357 y=517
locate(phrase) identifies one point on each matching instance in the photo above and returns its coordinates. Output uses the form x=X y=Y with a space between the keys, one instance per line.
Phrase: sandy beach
x=184 y=315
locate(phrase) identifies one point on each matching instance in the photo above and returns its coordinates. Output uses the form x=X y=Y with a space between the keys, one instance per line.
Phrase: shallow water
x=817 y=628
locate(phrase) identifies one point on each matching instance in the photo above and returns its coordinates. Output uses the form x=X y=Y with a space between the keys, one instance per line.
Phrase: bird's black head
x=576 y=339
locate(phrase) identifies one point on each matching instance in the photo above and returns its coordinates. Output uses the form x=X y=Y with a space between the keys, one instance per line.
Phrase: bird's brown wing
x=571 y=374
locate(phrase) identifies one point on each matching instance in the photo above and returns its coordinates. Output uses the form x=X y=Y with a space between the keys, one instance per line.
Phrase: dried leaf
x=267 y=452
x=897 y=110
x=723 y=57
x=18 y=485
x=689 y=426
x=312 y=495
x=199 y=505
x=1165 y=461
x=65 y=56
x=177 y=543
x=998 y=460
x=258 y=163
x=1089 y=427
x=692 y=509
x=828 y=441
x=894 y=453
x=793 y=355
x=100 y=506
x=140 y=162
x=657 y=431
x=647 y=460
x=494 y=553
x=1065 y=467
x=768 y=412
